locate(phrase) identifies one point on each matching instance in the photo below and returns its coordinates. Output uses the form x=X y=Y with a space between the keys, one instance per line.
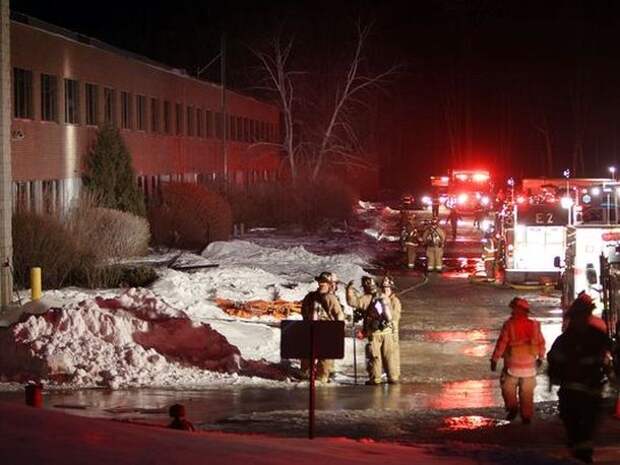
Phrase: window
x=179 y=115
x=155 y=115
x=109 y=106
x=246 y=130
x=239 y=124
x=219 y=125
x=200 y=122
x=210 y=124
x=72 y=101
x=92 y=94
x=49 y=97
x=141 y=112
x=252 y=130
x=232 y=124
x=22 y=93
x=190 y=121
x=166 y=117
x=126 y=110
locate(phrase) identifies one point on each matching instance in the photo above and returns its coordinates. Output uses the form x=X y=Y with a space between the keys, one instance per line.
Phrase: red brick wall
x=50 y=150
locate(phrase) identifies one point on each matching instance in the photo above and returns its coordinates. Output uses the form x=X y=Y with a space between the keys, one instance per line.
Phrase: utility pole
x=6 y=239
x=224 y=110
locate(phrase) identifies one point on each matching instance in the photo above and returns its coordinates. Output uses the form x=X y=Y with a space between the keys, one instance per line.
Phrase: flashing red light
x=520 y=199
x=480 y=177
x=462 y=177
x=462 y=198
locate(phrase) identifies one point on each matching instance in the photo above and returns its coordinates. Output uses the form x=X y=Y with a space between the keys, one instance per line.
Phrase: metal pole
x=312 y=383
x=354 y=357
x=224 y=110
x=6 y=240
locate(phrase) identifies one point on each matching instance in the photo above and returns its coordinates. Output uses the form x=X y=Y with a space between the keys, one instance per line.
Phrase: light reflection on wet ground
x=470 y=422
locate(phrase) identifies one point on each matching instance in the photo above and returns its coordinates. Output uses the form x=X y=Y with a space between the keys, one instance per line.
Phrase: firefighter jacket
x=396 y=308
x=434 y=236
x=489 y=249
x=375 y=308
x=520 y=343
x=409 y=236
x=577 y=359
x=321 y=306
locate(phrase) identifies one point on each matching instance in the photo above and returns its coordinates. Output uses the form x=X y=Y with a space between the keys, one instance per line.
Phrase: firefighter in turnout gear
x=434 y=239
x=580 y=364
x=323 y=305
x=410 y=240
x=376 y=312
x=489 y=255
x=522 y=346
x=387 y=288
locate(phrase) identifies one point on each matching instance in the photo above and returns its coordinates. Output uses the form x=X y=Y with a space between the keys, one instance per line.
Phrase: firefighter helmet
x=369 y=285
x=387 y=281
x=325 y=277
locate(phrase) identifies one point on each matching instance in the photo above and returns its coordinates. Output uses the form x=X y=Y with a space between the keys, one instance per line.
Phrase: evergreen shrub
x=110 y=175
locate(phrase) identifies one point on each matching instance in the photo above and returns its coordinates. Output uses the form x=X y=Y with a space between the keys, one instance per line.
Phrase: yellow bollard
x=35 y=283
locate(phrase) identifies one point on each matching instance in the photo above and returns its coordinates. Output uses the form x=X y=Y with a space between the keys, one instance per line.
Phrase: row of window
x=55 y=195
x=188 y=120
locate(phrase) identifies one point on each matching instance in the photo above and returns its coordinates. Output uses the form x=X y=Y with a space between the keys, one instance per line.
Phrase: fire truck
x=465 y=190
x=535 y=235
x=551 y=220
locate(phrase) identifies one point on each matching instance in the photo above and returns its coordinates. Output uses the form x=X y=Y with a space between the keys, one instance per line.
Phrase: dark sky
x=522 y=87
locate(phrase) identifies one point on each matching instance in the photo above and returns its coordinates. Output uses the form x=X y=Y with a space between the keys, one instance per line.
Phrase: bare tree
x=279 y=79
x=339 y=139
x=544 y=128
x=334 y=138
x=580 y=102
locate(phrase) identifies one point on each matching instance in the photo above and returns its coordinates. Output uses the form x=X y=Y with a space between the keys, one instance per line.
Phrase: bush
x=77 y=250
x=110 y=175
x=115 y=276
x=43 y=241
x=310 y=205
x=106 y=233
x=189 y=216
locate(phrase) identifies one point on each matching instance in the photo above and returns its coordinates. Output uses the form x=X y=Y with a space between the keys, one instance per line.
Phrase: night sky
x=525 y=88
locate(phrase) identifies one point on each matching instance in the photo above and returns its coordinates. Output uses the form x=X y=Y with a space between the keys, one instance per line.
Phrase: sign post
x=317 y=339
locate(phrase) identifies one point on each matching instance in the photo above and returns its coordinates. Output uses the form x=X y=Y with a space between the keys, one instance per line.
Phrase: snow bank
x=130 y=340
x=249 y=271
x=173 y=333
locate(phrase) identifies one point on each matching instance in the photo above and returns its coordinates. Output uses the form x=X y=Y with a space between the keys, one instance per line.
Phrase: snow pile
x=131 y=340
x=173 y=333
x=249 y=271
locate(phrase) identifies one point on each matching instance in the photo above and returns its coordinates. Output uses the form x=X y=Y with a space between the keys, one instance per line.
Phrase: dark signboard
x=542 y=215
x=296 y=338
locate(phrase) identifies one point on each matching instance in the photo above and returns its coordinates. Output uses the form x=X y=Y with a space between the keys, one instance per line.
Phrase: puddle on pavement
x=470 y=422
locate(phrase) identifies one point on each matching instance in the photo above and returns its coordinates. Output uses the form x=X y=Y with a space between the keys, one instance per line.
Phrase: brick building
x=176 y=128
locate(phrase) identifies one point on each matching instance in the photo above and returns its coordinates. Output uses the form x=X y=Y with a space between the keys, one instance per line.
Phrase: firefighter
x=376 y=312
x=434 y=239
x=580 y=365
x=323 y=305
x=435 y=205
x=410 y=240
x=522 y=346
x=489 y=252
x=454 y=218
x=387 y=288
